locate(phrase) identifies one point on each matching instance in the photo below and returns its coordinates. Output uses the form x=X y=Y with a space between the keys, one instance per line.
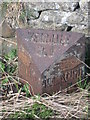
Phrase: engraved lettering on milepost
x=44 y=39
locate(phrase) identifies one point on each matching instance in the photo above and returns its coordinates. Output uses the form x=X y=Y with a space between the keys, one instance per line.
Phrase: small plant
x=42 y=111
x=2 y=66
x=38 y=110
x=8 y=67
x=11 y=55
x=22 y=16
x=82 y=84
x=26 y=90
x=5 y=81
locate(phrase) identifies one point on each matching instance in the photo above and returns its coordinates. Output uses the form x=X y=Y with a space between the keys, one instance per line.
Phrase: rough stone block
x=48 y=59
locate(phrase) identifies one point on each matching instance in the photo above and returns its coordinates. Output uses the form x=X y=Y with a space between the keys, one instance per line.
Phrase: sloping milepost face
x=40 y=50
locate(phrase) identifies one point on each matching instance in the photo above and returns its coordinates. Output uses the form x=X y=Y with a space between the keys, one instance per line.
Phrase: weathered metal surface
x=46 y=58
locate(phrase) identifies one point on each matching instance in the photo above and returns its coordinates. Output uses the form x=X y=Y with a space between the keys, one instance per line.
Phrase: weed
x=39 y=110
x=11 y=55
x=5 y=81
x=84 y=84
x=17 y=87
x=2 y=66
x=8 y=67
x=22 y=16
x=26 y=90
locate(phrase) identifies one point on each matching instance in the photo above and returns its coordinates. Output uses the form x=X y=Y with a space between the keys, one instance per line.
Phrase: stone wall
x=63 y=16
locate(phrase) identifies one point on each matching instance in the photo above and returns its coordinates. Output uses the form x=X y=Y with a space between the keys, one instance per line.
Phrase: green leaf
x=5 y=81
x=26 y=89
x=6 y=57
x=22 y=16
x=16 y=84
x=11 y=55
x=83 y=85
x=2 y=66
x=11 y=69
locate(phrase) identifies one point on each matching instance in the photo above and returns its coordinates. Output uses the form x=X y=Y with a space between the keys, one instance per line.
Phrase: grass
x=83 y=84
x=39 y=110
x=36 y=107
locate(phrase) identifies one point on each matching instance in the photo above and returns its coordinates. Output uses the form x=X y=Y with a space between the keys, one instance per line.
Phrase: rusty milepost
x=48 y=59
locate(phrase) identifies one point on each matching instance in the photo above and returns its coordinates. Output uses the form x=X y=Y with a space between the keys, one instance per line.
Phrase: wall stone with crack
x=61 y=15
x=65 y=16
x=49 y=15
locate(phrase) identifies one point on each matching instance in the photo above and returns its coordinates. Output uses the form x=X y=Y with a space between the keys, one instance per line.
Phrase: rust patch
x=24 y=58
